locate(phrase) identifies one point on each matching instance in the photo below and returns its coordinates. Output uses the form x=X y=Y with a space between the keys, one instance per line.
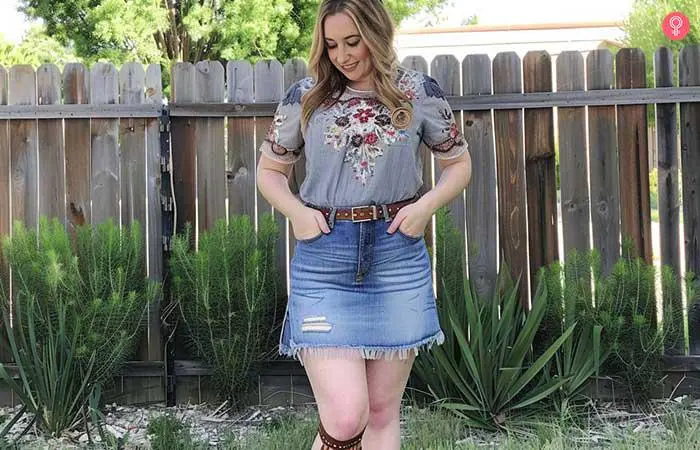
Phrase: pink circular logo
x=676 y=26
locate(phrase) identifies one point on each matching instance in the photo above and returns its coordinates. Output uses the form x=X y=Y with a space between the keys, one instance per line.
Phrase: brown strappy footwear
x=330 y=443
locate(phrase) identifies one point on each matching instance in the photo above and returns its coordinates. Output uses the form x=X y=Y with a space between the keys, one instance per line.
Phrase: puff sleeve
x=440 y=131
x=284 y=141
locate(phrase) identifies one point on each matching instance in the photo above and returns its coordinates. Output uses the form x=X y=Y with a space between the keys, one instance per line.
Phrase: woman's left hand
x=411 y=220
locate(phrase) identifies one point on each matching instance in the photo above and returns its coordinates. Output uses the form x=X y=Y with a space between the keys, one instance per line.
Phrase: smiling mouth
x=349 y=67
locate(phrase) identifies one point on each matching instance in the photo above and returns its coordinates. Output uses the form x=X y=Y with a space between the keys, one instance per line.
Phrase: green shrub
x=100 y=280
x=79 y=312
x=617 y=316
x=227 y=292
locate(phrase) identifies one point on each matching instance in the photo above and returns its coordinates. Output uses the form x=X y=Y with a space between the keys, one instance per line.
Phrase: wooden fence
x=90 y=144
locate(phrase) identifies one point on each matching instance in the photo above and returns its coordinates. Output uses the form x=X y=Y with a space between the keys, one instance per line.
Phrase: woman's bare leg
x=386 y=382
x=340 y=391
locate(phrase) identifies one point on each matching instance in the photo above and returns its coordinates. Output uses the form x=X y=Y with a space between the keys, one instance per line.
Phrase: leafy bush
x=617 y=320
x=79 y=312
x=625 y=306
x=101 y=282
x=227 y=292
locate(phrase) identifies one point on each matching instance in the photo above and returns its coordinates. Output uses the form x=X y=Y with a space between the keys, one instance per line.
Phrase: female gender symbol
x=676 y=26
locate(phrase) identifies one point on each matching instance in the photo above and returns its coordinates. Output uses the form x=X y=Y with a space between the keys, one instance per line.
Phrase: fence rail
x=86 y=145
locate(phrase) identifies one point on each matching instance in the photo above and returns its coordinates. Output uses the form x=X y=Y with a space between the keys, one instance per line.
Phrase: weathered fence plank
x=211 y=156
x=76 y=91
x=184 y=148
x=605 y=184
x=481 y=215
x=154 y=230
x=23 y=148
x=184 y=170
x=104 y=89
x=573 y=160
x=134 y=208
x=5 y=213
x=540 y=167
x=52 y=187
x=269 y=87
x=132 y=140
x=241 y=142
x=634 y=155
x=668 y=201
x=510 y=161
x=689 y=75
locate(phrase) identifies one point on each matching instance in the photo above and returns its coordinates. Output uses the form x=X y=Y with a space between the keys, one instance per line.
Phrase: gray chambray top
x=354 y=155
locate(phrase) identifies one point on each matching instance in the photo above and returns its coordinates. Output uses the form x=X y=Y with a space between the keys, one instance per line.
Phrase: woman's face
x=347 y=51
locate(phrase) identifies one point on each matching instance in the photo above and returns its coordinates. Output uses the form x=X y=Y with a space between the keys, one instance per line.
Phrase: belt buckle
x=372 y=217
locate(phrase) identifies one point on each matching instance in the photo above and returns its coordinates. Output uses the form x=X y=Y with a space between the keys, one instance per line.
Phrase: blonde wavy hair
x=377 y=31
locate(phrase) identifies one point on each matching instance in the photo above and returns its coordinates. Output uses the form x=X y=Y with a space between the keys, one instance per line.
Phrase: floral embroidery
x=294 y=93
x=273 y=137
x=432 y=88
x=360 y=127
x=273 y=133
x=410 y=83
x=454 y=136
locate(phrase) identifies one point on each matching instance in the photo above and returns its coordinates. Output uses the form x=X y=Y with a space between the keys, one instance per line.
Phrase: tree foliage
x=643 y=28
x=36 y=49
x=165 y=31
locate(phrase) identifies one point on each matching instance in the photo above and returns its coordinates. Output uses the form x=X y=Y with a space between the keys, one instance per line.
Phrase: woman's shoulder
x=297 y=90
x=418 y=86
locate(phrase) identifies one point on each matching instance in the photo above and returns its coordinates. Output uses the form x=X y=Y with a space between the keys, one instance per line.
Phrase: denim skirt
x=360 y=292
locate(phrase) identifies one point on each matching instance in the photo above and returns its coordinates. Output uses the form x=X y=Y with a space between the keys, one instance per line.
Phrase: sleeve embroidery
x=281 y=151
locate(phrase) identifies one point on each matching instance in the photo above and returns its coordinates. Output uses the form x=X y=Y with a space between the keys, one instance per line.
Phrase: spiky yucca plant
x=227 y=291
x=485 y=372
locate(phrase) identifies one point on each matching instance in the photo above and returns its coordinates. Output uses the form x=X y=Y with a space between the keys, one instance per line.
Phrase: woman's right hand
x=308 y=223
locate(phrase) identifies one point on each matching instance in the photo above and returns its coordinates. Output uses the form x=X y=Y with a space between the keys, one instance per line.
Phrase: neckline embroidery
x=361 y=127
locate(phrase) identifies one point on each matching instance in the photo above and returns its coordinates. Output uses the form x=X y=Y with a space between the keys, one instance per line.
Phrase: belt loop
x=385 y=211
x=331 y=218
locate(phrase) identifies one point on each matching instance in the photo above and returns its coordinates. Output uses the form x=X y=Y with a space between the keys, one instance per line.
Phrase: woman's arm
x=456 y=174
x=272 y=181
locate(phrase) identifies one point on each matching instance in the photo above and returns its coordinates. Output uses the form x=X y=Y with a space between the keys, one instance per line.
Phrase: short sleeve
x=284 y=140
x=440 y=131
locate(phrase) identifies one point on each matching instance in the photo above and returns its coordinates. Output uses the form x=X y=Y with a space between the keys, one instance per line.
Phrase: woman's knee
x=346 y=420
x=383 y=411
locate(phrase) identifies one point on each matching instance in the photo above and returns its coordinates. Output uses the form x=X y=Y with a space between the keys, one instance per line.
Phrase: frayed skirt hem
x=299 y=351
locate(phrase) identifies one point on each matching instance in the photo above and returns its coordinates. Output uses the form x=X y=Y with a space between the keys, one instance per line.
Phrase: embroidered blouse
x=354 y=154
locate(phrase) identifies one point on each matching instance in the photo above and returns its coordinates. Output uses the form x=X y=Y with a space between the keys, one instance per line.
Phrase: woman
x=361 y=304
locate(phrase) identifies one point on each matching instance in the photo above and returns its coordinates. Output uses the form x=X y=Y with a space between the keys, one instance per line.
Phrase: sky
x=489 y=12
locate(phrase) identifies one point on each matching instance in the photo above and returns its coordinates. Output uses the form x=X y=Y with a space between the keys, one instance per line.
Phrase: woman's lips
x=349 y=67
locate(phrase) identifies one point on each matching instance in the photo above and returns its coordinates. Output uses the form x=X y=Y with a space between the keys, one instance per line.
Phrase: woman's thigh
x=340 y=390
x=386 y=382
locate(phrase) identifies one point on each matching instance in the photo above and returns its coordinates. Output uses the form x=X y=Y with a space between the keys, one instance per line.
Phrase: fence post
x=689 y=75
x=167 y=227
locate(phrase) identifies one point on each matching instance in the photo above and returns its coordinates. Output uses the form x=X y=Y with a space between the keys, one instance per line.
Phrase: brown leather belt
x=365 y=213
